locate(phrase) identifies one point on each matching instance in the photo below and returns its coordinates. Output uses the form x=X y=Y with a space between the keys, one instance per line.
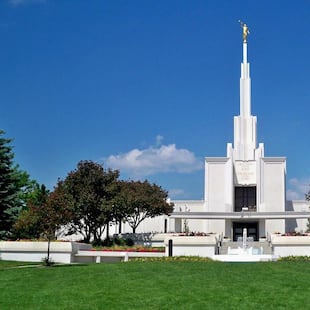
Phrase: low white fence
x=112 y=256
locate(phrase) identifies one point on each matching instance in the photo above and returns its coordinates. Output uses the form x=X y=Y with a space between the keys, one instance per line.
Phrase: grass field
x=157 y=285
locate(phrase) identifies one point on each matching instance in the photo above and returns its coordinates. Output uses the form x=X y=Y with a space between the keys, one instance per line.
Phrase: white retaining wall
x=204 y=246
x=290 y=245
x=60 y=252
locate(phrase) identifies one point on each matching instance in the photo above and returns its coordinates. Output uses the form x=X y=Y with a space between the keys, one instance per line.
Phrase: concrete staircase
x=234 y=245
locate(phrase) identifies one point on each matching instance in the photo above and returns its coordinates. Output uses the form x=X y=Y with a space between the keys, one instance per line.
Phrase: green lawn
x=157 y=285
x=13 y=264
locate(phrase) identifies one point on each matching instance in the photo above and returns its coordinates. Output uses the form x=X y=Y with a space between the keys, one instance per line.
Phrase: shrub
x=294 y=258
x=47 y=261
x=118 y=241
x=96 y=243
x=173 y=259
x=129 y=242
x=107 y=242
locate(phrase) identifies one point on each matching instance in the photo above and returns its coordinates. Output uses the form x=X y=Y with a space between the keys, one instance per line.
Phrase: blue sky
x=151 y=87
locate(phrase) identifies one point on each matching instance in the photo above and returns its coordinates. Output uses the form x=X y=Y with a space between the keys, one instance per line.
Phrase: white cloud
x=21 y=2
x=159 y=140
x=152 y=160
x=297 y=188
x=176 y=193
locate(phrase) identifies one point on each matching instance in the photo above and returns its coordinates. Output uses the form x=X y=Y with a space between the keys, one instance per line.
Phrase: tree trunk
x=96 y=238
x=120 y=226
x=48 y=249
x=108 y=232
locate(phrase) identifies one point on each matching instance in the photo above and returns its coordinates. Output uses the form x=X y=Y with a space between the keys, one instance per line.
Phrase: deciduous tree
x=55 y=213
x=29 y=223
x=141 y=200
x=92 y=190
x=46 y=213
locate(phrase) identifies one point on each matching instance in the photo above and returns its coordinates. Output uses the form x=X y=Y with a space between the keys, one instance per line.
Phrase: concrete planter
x=35 y=251
x=291 y=245
x=204 y=246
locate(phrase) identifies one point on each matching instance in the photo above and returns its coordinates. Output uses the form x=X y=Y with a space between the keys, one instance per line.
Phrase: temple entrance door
x=252 y=230
x=245 y=197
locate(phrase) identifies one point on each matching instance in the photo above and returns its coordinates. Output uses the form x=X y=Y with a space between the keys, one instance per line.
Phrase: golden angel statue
x=245 y=31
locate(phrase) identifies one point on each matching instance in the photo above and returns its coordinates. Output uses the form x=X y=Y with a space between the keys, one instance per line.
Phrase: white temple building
x=245 y=189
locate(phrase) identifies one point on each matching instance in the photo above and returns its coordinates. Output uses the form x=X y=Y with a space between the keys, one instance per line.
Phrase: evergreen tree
x=307 y=197
x=9 y=189
x=16 y=188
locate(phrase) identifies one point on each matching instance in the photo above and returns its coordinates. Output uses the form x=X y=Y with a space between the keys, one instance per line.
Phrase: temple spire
x=245 y=52
x=245 y=81
x=245 y=123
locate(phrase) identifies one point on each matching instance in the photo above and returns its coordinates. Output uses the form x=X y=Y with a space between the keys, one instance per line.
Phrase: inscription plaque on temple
x=245 y=172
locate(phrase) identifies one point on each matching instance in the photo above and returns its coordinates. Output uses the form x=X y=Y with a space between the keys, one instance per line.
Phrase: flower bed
x=193 y=234
x=130 y=249
x=294 y=234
